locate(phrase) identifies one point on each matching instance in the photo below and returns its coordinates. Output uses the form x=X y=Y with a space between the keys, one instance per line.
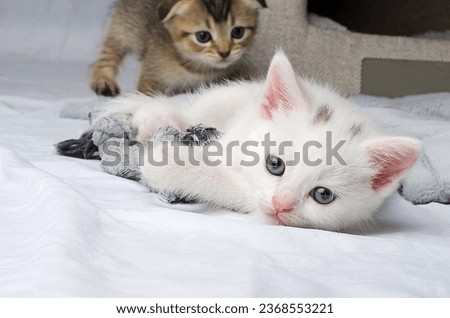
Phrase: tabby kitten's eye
x=275 y=165
x=323 y=195
x=203 y=36
x=238 y=32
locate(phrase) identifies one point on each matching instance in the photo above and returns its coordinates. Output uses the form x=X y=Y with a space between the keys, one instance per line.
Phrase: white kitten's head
x=349 y=184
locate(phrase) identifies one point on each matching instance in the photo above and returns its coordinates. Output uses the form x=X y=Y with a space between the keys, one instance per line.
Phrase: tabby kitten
x=182 y=44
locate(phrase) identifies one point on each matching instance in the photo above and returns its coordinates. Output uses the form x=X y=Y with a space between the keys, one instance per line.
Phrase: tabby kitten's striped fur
x=181 y=44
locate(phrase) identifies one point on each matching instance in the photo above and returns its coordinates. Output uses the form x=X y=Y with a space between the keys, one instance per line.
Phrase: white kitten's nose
x=281 y=205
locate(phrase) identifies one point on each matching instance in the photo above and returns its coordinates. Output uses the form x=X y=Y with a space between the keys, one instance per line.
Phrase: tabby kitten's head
x=211 y=33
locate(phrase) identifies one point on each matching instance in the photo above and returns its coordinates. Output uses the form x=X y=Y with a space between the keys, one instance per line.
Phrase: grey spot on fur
x=356 y=129
x=323 y=115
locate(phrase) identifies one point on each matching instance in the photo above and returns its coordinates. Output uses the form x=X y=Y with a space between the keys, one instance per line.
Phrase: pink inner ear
x=276 y=96
x=282 y=88
x=392 y=161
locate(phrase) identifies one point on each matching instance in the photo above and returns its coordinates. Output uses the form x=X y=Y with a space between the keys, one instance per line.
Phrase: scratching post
x=334 y=56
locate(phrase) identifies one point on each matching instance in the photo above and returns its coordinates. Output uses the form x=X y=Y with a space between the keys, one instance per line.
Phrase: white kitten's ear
x=392 y=157
x=282 y=90
x=167 y=9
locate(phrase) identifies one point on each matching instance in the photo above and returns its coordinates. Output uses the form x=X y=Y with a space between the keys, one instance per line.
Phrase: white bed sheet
x=69 y=229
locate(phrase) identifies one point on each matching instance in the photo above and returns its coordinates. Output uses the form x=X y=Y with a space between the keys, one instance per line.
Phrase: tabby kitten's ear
x=167 y=9
x=257 y=3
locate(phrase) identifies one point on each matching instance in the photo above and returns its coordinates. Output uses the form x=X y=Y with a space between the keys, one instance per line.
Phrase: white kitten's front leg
x=148 y=114
x=175 y=168
x=183 y=170
x=149 y=120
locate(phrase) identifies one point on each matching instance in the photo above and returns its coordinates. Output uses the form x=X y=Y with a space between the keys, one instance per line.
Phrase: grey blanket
x=115 y=135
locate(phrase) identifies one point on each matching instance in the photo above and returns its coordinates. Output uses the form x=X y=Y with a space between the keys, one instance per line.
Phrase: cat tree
x=334 y=56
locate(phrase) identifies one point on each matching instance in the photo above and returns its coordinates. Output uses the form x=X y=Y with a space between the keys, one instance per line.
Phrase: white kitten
x=344 y=190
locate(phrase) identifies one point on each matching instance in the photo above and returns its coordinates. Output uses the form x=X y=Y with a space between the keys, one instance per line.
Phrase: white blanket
x=69 y=229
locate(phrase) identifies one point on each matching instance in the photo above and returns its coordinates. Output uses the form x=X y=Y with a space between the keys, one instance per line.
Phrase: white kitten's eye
x=275 y=165
x=203 y=36
x=323 y=195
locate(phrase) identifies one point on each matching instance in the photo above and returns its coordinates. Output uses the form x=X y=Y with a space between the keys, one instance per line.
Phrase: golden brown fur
x=164 y=35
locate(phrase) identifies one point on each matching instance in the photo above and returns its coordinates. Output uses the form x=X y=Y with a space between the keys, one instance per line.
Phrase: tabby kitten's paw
x=104 y=85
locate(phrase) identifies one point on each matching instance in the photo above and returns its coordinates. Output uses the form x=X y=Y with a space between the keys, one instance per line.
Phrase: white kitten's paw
x=148 y=126
x=148 y=115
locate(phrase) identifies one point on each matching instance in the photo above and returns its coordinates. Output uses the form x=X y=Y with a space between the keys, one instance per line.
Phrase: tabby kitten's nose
x=224 y=55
